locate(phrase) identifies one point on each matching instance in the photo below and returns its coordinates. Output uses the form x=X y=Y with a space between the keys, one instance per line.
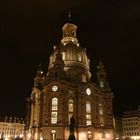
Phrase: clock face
x=54 y=88
x=88 y=91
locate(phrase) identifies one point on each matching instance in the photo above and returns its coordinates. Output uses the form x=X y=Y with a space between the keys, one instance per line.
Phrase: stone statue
x=72 y=123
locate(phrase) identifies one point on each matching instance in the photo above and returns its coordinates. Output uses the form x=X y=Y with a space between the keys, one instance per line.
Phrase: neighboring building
x=65 y=91
x=131 y=124
x=118 y=127
x=11 y=128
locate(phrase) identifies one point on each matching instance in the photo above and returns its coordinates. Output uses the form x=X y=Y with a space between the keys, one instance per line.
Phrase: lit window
x=101 y=118
x=88 y=122
x=88 y=107
x=100 y=112
x=101 y=84
x=79 y=57
x=54 y=103
x=70 y=109
x=88 y=113
x=101 y=121
x=63 y=55
x=54 y=117
x=70 y=105
x=83 y=78
x=88 y=117
x=54 y=110
x=69 y=117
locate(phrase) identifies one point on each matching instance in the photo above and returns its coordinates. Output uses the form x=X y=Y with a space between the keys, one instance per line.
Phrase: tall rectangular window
x=88 y=107
x=101 y=115
x=70 y=105
x=70 y=109
x=54 y=110
x=88 y=113
x=54 y=118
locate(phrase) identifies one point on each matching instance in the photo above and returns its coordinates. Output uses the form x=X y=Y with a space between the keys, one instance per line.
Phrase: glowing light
x=107 y=135
x=72 y=40
x=98 y=136
x=54 y=47
x=82 y=136
x=88 y=91
x=78 y=45
x=64 y=44
x=54 y=88
x=29 y=135
x=135 y=137
x=53 y=131
x=21 y=135
x=89 y=134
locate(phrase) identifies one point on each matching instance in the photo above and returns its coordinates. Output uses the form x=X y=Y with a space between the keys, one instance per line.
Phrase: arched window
x=88 y=113
x=70 y=109
x=70 y=105
x=54 y=110
x=54 y=103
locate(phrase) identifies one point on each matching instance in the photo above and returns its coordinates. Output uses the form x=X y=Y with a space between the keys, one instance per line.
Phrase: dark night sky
x=107 y=29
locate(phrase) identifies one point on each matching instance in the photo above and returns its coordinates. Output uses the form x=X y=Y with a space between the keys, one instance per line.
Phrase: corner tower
x=102 y=81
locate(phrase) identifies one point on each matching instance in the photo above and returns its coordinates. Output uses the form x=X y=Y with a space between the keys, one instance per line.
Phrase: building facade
x=65 y=91
x=11 y=128
x=131 y=124
x=118 y=127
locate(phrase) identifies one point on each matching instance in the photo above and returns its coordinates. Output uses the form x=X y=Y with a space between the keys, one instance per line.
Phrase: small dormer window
x=101 y=84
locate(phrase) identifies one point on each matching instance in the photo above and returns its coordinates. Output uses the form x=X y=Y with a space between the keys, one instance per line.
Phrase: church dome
x=76 y=62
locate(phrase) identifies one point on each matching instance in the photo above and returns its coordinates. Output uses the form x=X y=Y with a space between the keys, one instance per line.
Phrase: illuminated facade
x=118 y=127
x=11 y=128
x=131 y=124
x=65 y=91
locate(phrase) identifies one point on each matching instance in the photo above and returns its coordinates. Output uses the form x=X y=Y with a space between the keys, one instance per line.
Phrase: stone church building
x=65 y=91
